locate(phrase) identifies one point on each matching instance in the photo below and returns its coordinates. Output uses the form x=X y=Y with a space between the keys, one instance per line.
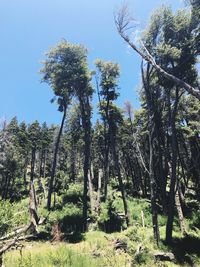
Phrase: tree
x=109 y=73
x=66 y=70
x=61 y=78
x=123 y=23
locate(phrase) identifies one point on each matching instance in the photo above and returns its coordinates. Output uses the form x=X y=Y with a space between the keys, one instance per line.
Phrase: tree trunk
x=44 y=164
x=91 y=191
x=100 y=174
x=151 y=128
x=117 y=168
x=52 y=178
x=25 y=171
x=180 y=213
x=85 y=115
x=173 y=178
x=33 y=163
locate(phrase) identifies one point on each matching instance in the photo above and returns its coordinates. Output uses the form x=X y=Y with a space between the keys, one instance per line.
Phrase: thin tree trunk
x=151 y=128
x=91 y=191
x=25 y=171
x=180 y=213
x=52 y=178
x=170 y=219
x=153 y=187
x=117 y=168
x=33 y=163
x=100 y=174
x=44 y=164
x=86 y=113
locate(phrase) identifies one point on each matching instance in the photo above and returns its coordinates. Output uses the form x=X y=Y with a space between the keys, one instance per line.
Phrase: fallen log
x=17 y=232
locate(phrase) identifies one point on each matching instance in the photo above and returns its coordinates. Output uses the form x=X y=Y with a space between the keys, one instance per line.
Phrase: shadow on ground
x=185 y=248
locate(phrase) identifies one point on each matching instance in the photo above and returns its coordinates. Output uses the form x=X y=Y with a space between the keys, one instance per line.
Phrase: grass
x=95 y=248
x=94 y=252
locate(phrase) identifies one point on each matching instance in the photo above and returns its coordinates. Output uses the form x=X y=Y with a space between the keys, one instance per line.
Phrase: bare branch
x=7 y=246
x=123 y=22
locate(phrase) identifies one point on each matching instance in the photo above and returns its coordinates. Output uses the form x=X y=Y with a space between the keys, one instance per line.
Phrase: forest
x=121 y=187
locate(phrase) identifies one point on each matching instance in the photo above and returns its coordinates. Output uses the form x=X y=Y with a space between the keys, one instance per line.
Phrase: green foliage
x=73 y=194
x=136 y=207
x=134 y=235
x=109 y=73
x=12 y=215
x=69 y=218
x=66 y=70
x=61 y=181
x=110 y=219
x=6 y=216
x=142 y=258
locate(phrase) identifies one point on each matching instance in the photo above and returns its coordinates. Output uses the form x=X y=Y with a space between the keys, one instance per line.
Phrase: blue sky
x=28 y=28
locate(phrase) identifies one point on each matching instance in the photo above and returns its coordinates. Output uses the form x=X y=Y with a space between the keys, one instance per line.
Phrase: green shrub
x=69 y=218
x=62 y=180
x=13 y=215
x=109 y=219
x=133 y=234
x=142 y=257
x=73 y=194
x=6 y=216
x=136 y=206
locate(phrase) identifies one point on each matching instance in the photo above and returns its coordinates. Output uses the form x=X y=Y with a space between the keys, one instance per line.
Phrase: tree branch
x=123 y=23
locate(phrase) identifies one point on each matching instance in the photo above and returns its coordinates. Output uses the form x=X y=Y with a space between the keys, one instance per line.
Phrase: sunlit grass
x=95 y=251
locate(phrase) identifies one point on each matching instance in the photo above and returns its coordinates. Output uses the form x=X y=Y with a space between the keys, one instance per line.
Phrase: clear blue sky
x=28 y=28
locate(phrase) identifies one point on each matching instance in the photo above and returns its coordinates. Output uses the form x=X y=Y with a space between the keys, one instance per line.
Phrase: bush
x=6 y=216
x=69 y=218
x=13 y=215
x=136 y=207
x=109 y=219
x=142 y=257
x=73 y=194
x=133 y=234
x=62 y=180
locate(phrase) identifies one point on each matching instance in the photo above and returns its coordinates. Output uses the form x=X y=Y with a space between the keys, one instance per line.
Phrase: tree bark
x=180 y=213
x=85 y=115
x=33 y=163
x=173 y=177
x=100 y=174
x=151 y=128
x=91 y=191
x=117 y=168
x=52 y=178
